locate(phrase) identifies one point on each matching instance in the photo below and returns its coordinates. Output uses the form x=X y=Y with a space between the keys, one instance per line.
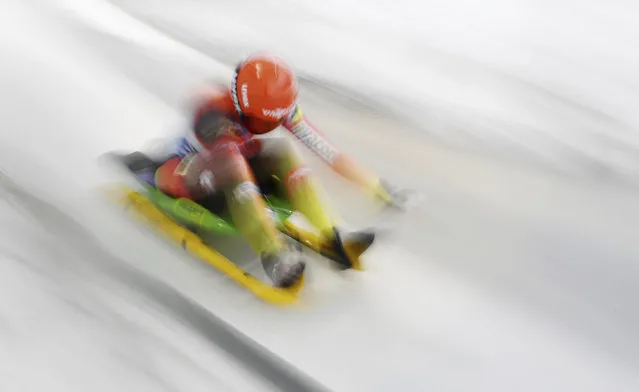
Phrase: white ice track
x=510 y=279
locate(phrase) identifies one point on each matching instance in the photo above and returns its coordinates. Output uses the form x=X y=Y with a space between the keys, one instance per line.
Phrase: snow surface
x=66 y=327
x=509 y=279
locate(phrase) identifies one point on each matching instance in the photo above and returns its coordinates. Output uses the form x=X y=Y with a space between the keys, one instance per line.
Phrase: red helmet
x=264 y=88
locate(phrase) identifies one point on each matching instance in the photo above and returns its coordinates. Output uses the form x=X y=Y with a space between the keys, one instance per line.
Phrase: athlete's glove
x=395 y=197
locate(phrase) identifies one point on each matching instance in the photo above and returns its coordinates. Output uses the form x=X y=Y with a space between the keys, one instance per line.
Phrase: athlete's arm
x=345 y=166
x=211 y=119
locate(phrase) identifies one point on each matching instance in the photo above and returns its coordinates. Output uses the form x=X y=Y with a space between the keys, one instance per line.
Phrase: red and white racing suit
x=232 y=173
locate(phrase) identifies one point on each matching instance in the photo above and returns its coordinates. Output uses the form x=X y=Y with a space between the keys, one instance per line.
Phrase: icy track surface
x=68 y=326
x=510 y=279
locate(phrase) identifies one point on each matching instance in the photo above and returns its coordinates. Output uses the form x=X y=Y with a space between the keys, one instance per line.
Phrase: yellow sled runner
x=163 y=214
x=143 y=209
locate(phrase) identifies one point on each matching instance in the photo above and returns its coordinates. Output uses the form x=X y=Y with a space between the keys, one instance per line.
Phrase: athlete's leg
x=205 y=174
x=249 y=212
x=246 y=205
x=200 y=175
x=303 y=190
x=170 y=179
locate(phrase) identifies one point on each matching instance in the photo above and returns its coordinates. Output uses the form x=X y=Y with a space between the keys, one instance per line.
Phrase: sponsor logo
x=278 y=112
x=245 y=95
x=184 y=164
x=315 y=142
x=195 y=211
x=245 y=191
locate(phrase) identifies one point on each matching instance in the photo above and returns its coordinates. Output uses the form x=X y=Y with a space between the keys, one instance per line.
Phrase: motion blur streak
x=551 y=82
x=511 y=277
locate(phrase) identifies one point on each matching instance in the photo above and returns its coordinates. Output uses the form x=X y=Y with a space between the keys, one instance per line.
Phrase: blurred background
x=516 y=119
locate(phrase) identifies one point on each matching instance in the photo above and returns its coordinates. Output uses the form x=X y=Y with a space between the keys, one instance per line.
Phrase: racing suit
x=215 y=157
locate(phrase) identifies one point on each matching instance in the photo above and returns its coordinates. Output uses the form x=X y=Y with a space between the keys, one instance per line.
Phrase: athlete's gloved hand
x=395 y=197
